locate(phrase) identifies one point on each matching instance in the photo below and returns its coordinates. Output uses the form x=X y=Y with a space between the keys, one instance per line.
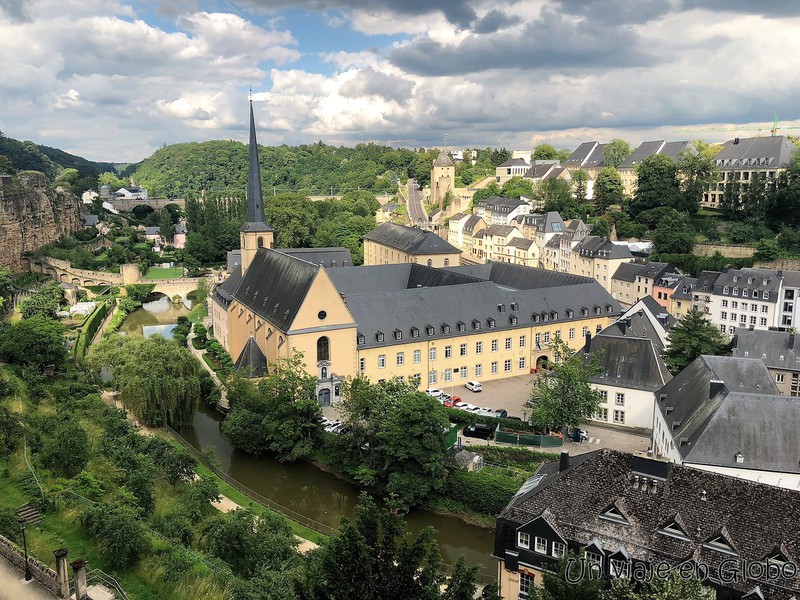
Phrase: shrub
x=483 y=492
x=117 y=530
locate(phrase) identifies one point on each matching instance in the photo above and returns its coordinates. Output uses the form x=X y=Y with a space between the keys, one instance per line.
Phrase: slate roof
x=223 y=293
x=752 y=280
x=756 y=153
x=251 y=361
x=458 y=216
x=515 y=162
x=642 y=320
x=651 y=270
x=386 y=278
x=234 y=259
x=325 y=257
x=595 y=246
x=518 y=277
x=275 y=286
x=550 y=222
x=555 y=173
x=410 y=240
x=473 y=220
x=755 y=518
x=538 y=171
x=629 y=362
x=90 y=220
x=521 y=243
x=627 y=272
x=706 y=281
x=694 y=400
x=674 y=149
x=778 y=349
x=498 y=203
x=687 y=283
x=644 y=150
x=152 y=231
x=580 y=154
x=501 y=230
x=443 y=160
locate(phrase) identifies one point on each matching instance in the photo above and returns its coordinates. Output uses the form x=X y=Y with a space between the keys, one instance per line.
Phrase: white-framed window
x=734 y=304
x=537 y=339
x=494 y=368
x=448 y=351
x=602 y=414
x=541 y=545
x=448 y=375
x=401 y=359
x=724 y=304
x=765 y=295
x=381 y=361
x=494 y=345
x=478 y=370
x=462 y=350
x=526 y=585
x=619 y=417
x=522 y=341
x=723 y=315
x=722 y=328
x=752 y=320
x=559 y=549
x=478 y=347
x=432 y=354
x=765 y=308
x=522 y=362
x=779 y=378
x=508 y=343
x=584 y=331
x=604 y=395
x=571 y=333
x=432 y=377
x=734 y=316
x=507 y=365
x=523 y=539
x=763 y=321
x=620 y=399
x=546 y=337
x=754 y=308
x=362 y=364
x=417 y=356
x=743 y=318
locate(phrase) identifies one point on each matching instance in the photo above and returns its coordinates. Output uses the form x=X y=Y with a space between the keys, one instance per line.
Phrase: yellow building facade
x=391 y=244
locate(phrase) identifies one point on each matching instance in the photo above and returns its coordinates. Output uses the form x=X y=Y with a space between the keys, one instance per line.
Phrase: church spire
x=255 y=197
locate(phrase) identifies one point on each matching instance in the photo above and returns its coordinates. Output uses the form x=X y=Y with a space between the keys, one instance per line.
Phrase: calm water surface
x=159 y=315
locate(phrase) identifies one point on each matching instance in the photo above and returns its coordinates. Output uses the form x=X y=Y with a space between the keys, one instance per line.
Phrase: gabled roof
x=647 y=149
x=499 y=202
x=275 y=286
x=152 y=230
x=251 y=361
x=645 y=319
x=778 y=349
x=752 y=280
x=752 y=516
x=581 y=153
x=594 y=246
x=757 y=152
x=555 y=173
x=629 y=362
x=325 y=257
x=651 y=270
x=538 y=171
x=410 y=239
x=521 y=243
x=706 y=281
x=686 y=283
x=501 y=230
x=515 y=162
x=519 y=277
x=443 y=160
x=550 y=222
x=473 y=220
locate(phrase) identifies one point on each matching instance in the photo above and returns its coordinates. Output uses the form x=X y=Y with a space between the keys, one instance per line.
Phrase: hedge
x=464 y=418
x=88 y=329
x=483 y=491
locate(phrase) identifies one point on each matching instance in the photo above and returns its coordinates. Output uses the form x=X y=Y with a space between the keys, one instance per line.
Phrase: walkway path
x=416 y=212
x=14 y=587
x=100 y=330
x=223 y=395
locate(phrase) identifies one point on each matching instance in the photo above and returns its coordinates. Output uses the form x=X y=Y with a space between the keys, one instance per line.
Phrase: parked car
x=455 y=399
x=466 y=406
x=501 y=414
x=479 y=430
x=578 y=435
x=433 y=392
x=473 y=386
x=448 y=404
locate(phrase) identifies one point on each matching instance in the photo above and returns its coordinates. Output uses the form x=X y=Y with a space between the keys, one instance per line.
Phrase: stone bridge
x=63 y=272
x=128 y=204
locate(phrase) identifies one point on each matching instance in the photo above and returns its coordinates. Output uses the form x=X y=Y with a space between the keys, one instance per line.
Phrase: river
x=301 y=486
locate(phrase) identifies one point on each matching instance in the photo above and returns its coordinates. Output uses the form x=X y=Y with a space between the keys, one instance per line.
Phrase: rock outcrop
x=33 y=215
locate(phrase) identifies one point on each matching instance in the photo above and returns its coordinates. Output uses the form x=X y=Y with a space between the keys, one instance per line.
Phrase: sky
x=114 y=80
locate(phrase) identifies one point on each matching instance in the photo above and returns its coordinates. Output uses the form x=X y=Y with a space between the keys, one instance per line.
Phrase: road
x=416 y=212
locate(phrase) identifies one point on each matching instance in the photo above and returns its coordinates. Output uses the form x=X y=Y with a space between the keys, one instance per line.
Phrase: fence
x=527 y=439
x=253 y=495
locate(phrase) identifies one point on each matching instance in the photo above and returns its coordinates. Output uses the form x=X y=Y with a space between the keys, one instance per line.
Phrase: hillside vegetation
x=29 y=156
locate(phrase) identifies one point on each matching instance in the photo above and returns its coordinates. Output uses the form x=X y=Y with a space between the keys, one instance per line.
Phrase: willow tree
x=159 y=380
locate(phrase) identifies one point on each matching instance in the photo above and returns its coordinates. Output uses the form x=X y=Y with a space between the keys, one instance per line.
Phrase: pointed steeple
x=255 y=197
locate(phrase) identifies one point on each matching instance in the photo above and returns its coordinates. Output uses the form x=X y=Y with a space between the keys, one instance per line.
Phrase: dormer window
x=609 y=308
x=398 y=335
x=726 y=290
x=379 y=336
x=597 y=310
x=462 y=326
x=735 y=278
x=536 y=317
x=512 y=319
x=765 y=295
x=584 y=311
x=745 y=293
x=545 y=316
x=415 y=332
x=429 y=329
x=476 y=325
x=739 y=458
x=720 y=543
x=514 y=306
x=491 y=323
x=570 y=313
x=554 y=315
x=614 y=514
x=361 y=339
x=736 y=291
x=445 y=328
x=673 y=529
x=749 y=280
x=501 y=308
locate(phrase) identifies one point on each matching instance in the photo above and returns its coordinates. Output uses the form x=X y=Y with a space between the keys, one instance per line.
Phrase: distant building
x=725 y=414
x=513 y=167
x=131 y=193
x=443 y=179
x=390 y=244
x=598 y=258
x=496 y=210
x=633 y=281
x=627 y=513
x=680 y=301
x=627 y=169
x=747 y=298
x=589 y=157
x=557 y=254
x=780 y=351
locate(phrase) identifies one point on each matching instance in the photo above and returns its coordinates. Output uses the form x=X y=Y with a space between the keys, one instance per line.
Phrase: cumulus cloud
x=369 y=82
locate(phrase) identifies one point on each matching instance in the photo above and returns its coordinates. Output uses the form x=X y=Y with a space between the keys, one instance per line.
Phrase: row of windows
x=619 y=399
x=745 y=292
x=556 y=549
x=602 y=415
x=742 y=318
x=753 y=307
x=463 y=372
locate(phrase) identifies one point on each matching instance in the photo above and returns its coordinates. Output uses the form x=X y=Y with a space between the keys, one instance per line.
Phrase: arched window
x=446 y=262
x=323 y=349
x=260 y=242
x=430 y=262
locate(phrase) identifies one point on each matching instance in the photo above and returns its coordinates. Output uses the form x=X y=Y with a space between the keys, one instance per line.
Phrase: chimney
x=563 y=462
x=791 y=341
x=715 y=387
x=79 y=573
x=62 y=577
x=623 y=326
x=588 y=347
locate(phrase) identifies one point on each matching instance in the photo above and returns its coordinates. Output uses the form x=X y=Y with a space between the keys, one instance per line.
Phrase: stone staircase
x=29 y=515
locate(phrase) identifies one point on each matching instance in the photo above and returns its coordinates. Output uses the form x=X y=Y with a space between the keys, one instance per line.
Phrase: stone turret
x=443 y=178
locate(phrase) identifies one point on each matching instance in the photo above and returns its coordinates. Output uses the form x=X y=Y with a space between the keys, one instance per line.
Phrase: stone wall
x=782 y=264
x=41 y=572
x=728 y=250
x=31 y=216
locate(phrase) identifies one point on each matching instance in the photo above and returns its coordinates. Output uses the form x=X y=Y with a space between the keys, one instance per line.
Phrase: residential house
x=742 y=159
x=522 y=251
x=627 y=514
x=633 y=369
x=472 y=226
x=627 y=169
x=387 y=212
x=589 y=157
x=131 y=193
x=455 y=229
x=725 y=414
x=179 y=237
x=598 y=258
x=390 y=244
x=633 y=281
x=513 y=167
x=558 y=251
x=540 y=227
x=701 y=298
x=780 y=351
x=501 y=211
x=665 y=286
x=495 y=240
x=746 y=298
x=680 y=301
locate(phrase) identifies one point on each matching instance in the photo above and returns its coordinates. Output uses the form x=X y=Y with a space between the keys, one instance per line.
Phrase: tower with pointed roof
x=443 y=178
x=255 y=233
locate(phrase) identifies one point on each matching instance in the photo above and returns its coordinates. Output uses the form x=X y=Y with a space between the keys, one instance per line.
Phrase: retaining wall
x=41 y=572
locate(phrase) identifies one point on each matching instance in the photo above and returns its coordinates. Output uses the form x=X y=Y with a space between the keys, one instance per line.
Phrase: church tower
x=255 y=233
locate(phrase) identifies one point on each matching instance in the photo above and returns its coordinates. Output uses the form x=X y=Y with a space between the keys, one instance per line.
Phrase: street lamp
x=28 y=575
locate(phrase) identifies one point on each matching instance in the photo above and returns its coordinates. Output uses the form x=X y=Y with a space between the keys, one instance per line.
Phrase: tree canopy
x=657 y=184
x=608 y=188
x=37 y=341
x=692 y=336
x=615 y=152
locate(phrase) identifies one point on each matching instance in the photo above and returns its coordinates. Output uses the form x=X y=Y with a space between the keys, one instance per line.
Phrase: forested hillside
x=183 y=170
x=28 y=156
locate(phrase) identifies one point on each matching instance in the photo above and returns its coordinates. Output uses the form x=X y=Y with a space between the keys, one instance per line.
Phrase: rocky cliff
x=33 y=215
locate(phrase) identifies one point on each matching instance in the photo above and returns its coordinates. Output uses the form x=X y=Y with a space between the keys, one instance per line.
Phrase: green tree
x=10 y=430
x=490 y=190
x=44 y=302
x=691 y=337
x=564 y=397
x=9 y=525
x=462 y=583
x=166 y=225
x=111 y=180
x=544 y=152
x=556 y=586
x=657 y=184
x=118 y=531
x=159 y=380
x=556 y=195
x=580 y=183
x=498 y=157
x=6 y=284
x=673 y=236
x=673 y=587
x=730 y=203
x=615 y=152
x=697 y=171
x=37 y=342
x=66 y=448
x=516 y=187
x=608 y=189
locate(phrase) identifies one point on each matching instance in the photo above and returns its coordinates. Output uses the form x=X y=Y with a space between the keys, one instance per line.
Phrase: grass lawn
x=198 y=313
x=159 y=273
